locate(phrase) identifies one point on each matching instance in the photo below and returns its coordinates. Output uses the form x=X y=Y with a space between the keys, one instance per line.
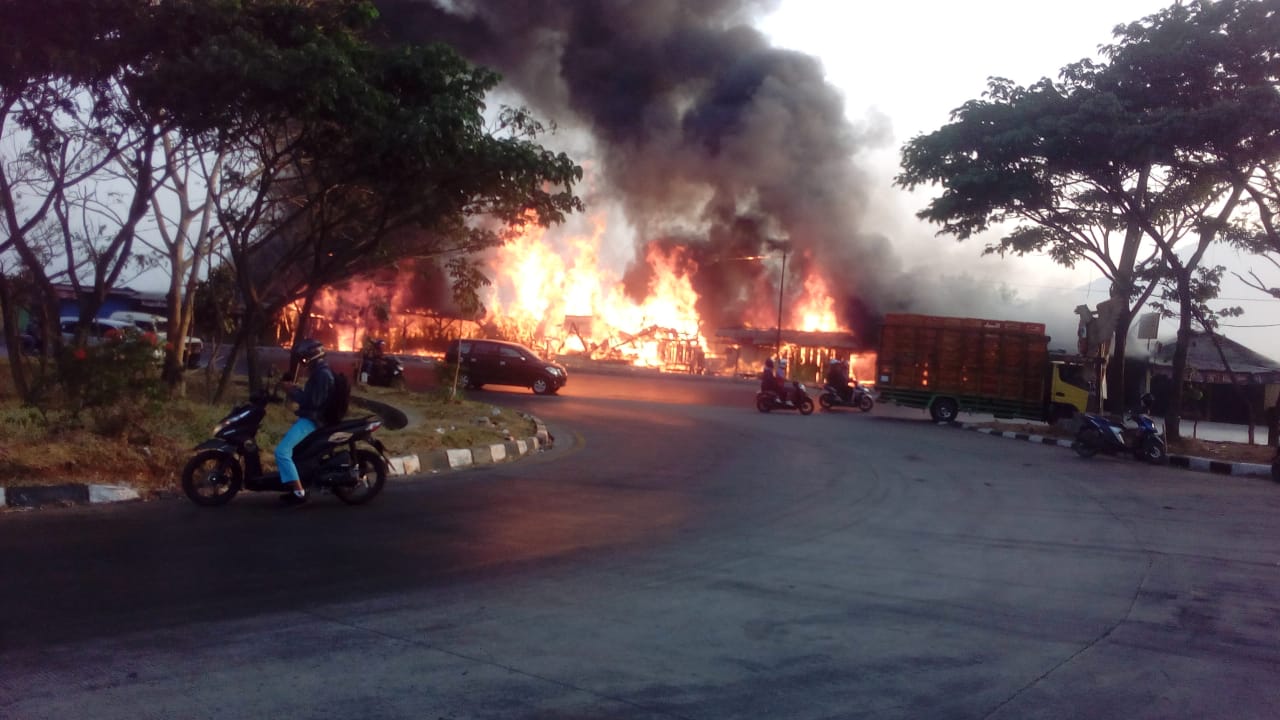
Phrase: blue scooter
x=1099 y=434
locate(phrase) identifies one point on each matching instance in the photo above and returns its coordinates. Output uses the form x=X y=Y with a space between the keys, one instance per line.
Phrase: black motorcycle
x=796 y=399
x=857 y=396
x=327 y=459
x=380 y=369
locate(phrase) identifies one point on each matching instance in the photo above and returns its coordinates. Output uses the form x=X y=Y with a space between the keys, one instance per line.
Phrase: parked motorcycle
x=327 y=459
x=1099 y=434
x=859 y=398
x=797 y=399
x=378 y=368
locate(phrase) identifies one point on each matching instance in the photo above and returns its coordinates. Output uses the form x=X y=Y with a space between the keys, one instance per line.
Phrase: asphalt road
x=676 y=555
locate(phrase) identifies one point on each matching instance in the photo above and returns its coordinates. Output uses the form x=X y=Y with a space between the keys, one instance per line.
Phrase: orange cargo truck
x=950 y=365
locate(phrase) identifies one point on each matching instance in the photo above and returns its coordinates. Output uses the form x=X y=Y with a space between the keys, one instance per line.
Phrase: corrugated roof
x=1202 y=355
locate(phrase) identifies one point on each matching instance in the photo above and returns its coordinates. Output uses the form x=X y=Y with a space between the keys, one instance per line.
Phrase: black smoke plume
x=707 y=135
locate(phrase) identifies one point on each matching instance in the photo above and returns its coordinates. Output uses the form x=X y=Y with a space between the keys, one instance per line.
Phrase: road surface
x=676 y=555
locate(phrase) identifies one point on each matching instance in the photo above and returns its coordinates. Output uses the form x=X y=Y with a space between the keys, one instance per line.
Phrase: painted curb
x=436 y=461
x=1217 y=467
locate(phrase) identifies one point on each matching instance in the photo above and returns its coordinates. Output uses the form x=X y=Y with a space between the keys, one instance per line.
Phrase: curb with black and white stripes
x=1219 y=467
x=457 y=458
x=31 y=497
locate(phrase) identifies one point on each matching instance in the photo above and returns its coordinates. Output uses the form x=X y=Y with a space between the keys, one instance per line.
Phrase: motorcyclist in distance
x=772 y=381
x=312 y=399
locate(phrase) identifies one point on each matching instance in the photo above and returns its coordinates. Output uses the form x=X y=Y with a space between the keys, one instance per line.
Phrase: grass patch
x=145 y=444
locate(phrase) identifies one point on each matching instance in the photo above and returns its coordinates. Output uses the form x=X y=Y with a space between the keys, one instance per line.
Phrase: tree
x=1202 y=79
x=1040 y=158
x=67 y=101
x=337 y=146
x=1162 y=140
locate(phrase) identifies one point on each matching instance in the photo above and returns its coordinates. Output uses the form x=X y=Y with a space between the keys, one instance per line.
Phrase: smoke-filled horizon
x=708 y=137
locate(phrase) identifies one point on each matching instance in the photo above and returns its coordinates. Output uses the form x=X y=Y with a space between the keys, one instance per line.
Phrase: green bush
x=118 y=372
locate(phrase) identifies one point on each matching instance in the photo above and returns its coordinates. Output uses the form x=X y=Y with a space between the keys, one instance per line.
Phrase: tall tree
x=67 y=74
x=333 y=144
x=1162 y=139
x=1202 y=81
x=1043 y=166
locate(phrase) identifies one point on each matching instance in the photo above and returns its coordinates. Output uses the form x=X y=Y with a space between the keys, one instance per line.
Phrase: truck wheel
x=944 y=410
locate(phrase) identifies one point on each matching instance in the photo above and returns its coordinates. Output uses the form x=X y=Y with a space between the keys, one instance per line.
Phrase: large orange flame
x=551 y=291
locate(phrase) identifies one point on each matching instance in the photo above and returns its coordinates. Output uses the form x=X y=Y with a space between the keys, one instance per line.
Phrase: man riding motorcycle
x=312 y=399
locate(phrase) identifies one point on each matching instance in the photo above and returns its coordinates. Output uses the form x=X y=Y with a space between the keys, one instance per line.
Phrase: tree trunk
x=1173 y=416
x=227 y=370
x=17 y=366
x=1115 y=367
x=175 y=349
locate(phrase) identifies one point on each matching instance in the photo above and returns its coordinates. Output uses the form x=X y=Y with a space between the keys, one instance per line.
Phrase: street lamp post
x=785 y=247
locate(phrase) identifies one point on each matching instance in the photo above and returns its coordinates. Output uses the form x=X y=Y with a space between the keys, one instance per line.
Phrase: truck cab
x=1070 y=387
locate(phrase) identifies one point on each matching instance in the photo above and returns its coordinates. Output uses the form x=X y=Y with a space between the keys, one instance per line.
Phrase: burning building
x=720 y=175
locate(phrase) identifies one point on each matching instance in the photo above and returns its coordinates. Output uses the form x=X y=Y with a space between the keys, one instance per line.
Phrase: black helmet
x=768 y=362
x=307 y=351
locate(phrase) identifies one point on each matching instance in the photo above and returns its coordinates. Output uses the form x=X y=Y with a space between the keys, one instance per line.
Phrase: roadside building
x=1243 y=387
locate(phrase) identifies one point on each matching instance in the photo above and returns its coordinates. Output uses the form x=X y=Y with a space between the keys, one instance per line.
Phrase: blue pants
x=284 y=451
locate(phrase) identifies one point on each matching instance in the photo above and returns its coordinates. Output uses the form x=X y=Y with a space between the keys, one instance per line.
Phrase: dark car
x=496 y=362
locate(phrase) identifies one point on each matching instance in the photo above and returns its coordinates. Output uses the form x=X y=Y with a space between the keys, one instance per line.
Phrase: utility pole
x=785 y=247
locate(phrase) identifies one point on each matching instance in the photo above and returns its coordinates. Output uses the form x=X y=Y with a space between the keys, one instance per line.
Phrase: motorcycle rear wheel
x=826 y=400
x=211 y=478
x=806 y=406
x=865 y=403
x=1088 y=440
x=371 y=473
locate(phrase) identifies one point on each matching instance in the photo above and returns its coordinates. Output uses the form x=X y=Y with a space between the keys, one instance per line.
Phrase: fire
x=552 y=292
x=816 y=309
x=575 y=305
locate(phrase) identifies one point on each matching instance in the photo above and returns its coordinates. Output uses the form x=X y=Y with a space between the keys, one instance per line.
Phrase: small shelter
x=1245 y=386
x=806 y=351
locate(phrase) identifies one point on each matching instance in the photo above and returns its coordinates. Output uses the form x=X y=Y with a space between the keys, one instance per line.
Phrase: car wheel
x=541 y=386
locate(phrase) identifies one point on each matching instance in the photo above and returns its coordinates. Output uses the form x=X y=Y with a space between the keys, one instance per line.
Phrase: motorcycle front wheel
x=806 y=406
x=865 y=403
x=1088 y=440
x=211 y=478
x=763 y=404
x=1152 y=450
x=371 y=475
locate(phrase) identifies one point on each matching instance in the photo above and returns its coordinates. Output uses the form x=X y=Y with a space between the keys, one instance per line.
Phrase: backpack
x=339 y=400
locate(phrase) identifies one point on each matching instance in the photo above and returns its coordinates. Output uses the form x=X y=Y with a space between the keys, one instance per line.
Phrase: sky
x=914 y=61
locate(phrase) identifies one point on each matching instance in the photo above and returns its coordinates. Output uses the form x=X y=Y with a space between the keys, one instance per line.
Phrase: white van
x=159 y=325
